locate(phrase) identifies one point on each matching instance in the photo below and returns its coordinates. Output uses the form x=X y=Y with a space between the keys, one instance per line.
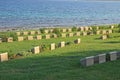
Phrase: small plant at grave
x=42 y=30
x=119 y=28
x=94 y=29
x=74 y=28
x=57 y=31
x=68 y=43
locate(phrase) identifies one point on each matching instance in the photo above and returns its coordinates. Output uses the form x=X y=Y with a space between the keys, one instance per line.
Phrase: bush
x=42 y=30
x=74 y=28
x=57 y=31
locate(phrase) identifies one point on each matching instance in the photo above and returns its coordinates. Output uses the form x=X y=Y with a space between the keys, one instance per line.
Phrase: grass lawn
x=62 y=63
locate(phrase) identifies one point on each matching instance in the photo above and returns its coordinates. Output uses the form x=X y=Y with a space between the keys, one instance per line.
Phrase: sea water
x=39 y=13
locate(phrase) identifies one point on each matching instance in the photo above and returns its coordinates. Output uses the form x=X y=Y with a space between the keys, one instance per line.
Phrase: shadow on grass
x=53 y=67
x=113 y=42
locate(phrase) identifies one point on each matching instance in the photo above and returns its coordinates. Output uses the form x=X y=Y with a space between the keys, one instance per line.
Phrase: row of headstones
x=52 y=46
x=104 y=31
x=39 y=37
x=100 y=58
x=62 y=30
x=36 y=50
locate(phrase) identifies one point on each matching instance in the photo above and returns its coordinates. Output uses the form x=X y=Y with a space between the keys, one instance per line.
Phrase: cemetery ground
x=61 y=63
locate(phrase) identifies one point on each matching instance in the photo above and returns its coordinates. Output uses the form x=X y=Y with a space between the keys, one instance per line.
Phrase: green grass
x=62 y=63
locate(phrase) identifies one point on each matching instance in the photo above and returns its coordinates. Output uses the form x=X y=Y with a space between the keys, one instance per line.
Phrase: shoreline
x=4 y=29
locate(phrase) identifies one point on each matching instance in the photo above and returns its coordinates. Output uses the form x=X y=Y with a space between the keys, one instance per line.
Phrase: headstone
x=63 y=35
x=97 y=28
x=103 y=31
x=69 y=30
x=61 y=44
x=70 y=34
x=103 y=37
x=47 y=36
x=118 y=54
x=86 y=28
x=46 y=31
x=101 y=58
x=84 y=33
x=88 y=61
x=36 y=50
x=52 y=46
x=18 y=33
x=9 y=39
x=81 y=28
x=97 y=32
x=112 y=56
x=3 y=57
x=111 y=26
x=20 y=38
x=54 y=35
x=109 y=31
x=25 y=33
x=63 y=30
x=38 y=37
x=77 y=41
x=30 y=37
x=77 y=33
x=37 y=32
x=0 y=40
x=51 y=30
x=32 y=32
x=90 y=28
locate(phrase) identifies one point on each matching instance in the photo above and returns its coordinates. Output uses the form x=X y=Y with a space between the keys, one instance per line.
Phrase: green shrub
x=57 y=31
x=42 y=30
x=74 y=28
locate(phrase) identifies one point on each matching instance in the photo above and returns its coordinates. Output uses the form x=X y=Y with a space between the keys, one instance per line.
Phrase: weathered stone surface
x=70 y=34
x=103 y=31
x=52 y=46
x=36 y=50
x=109 y=31
x=90 y=28
x=0 y=40
x=25 y=33
x=46 y=31
x=38 y=37
x=101 y=58
x=63 y=35
x=30 y=38
x=47 y=36
x=81 y=28
x=77 y=33
x=61 y=44
x=54 y=36
x=63 y=30
x=86 y=28
x=84 y=33
x=69 y=30
x=38 y=32
x=9 y=39
x=4 y=57
x=77 y=41
x=112 y=55
x=88 y=61
x=51 y=30
x=111 y=26
x=20 y=38
x=97 y=32
x=97 y=28
x=18 y=33
x=32 y=32
x=103 y=37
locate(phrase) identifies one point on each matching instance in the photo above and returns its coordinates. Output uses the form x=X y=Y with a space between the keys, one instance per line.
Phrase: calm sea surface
x=34 y=13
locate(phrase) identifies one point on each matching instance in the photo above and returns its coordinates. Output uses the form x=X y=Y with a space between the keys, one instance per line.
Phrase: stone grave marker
x=4 y=57
x=100 y=58
x=88 y=61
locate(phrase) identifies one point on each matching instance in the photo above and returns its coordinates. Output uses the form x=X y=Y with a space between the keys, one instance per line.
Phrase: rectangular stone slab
x=4 y=57
x=101 y=58
x=88 y=61
x=113 y=55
